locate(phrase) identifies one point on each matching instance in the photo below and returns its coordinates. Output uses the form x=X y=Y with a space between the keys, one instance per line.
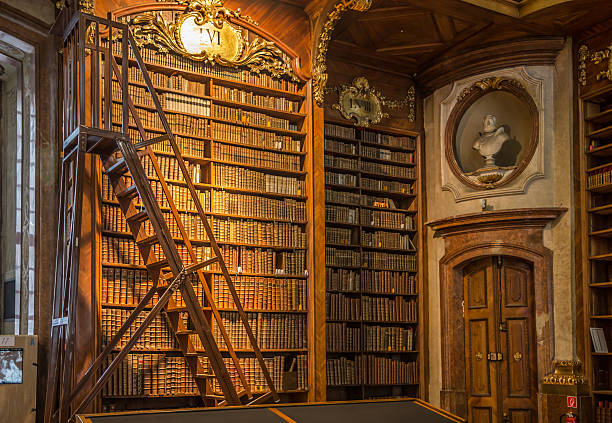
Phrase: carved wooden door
x=501 y=375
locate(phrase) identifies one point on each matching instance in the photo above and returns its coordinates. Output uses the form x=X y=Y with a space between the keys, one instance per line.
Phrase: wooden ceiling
x=409 y=35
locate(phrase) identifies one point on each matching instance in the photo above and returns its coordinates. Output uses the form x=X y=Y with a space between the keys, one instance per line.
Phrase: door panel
x=480 y=333
x=499 y=319
x=478 y=345
x=519 y=388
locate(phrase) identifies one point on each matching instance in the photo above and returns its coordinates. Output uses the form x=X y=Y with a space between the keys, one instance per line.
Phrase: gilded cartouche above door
x=499 y=341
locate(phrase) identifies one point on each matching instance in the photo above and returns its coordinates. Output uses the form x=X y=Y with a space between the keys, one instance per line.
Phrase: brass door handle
x=495 y=356
x=518 y=356
x=478 y=356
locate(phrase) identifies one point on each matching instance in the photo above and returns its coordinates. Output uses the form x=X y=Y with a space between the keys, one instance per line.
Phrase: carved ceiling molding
x=319 y=70
x=595 y=57
x=489 y=84
x=365 y=105
x=87 y=6
x=151 y=28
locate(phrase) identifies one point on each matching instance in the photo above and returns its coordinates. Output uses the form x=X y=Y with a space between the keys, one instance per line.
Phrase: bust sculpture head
x=489 y=123
x=490 y=140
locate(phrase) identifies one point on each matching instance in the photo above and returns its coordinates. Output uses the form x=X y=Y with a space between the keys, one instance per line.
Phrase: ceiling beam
x=387 y=13
x=409 y=48
x=351 y=53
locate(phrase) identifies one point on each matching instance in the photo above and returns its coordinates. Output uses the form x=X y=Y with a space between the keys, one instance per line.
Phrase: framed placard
x=11 y=365
x=599 y=340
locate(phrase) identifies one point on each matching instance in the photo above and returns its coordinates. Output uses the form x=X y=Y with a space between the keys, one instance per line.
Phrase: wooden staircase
x=88 y=43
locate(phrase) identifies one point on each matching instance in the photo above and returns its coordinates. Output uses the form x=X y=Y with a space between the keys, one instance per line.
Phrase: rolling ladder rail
x=171 y=270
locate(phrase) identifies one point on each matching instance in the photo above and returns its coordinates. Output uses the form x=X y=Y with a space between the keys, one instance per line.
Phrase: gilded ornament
x=489 y=84
x=319 y=69
x=204 y=33
x=364 y=105
x=596 y=58
x=567 y=372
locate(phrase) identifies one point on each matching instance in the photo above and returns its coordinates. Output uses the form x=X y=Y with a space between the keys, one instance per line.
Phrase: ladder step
x=146 y=240
x=190 y=354
x=138 y=216
x=204 y=376
x=217 y=397
x=158 y=263
x=117 y=169
x=185 y=332
x=129 y=192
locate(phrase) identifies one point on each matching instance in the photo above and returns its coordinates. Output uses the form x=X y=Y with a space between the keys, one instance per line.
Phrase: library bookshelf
x=371 y=253
x=245 y=142
x=596 y=170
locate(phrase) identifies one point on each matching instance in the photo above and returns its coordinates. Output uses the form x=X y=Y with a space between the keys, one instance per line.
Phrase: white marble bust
x=490 y=140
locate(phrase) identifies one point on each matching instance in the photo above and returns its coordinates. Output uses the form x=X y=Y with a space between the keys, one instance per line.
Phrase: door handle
x=495 y=356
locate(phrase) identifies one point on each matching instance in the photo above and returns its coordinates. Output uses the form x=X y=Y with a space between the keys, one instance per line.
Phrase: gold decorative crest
x=364 y=105
x=489 y=84
x=204 y=33
x=319 y=70
x=595 y=57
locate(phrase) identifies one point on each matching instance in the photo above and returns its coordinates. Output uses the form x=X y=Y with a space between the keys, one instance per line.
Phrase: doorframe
x=516 y=233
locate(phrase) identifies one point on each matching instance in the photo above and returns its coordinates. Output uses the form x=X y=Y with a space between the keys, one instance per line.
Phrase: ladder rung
x=149 y=239
x=137 y=216
x=185 y=332
x=218 y=397
x=129 y=192
x=158 y=263
x=190 y=354
x=204 y=376
x=117 y=169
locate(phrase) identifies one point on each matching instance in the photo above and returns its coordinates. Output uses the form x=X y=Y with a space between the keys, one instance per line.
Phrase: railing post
x=81 y=69
x=124 y=77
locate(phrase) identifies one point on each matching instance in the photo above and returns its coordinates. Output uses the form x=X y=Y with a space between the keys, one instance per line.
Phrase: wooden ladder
x=122 y=162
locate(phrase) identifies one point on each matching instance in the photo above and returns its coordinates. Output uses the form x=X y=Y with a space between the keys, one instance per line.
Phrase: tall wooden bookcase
x=596 y=128
x=244 y=137
x=371 y=256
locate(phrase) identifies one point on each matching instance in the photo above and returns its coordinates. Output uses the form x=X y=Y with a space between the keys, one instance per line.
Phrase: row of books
x=389 y=140
x=599 y=177
x=341 y=257
x=255 y=137
x=249 y=117
x=238 y=177
x=170 y=101
x=375 y=281
x=389 y=261
x=249 y=260
x=342 y=279
x=271 y=330
x=341 y=214
x=338 y=235
x=174 y=81
x=258 y=293
x=156 y=336
x=262 y=233
x=120 y=250
x=603 y=412
x=256 y=206
x=384 y=239
x=342 y=307
x=385 y=219
x=179 y=123
x=171 y=170
x=378 y=201
x=371 y=370
x=388 y=170
x=388 y=338
x=339 y=131
x=389 y=282
x=254 y=374
x=342 y=337
x=334 y=146
x=382 y=185
x=248 y=97
x=342 y=197
x=381 y=309
x=384 y=154
x=150 y=375
x=120 y=286
x=180 y=62
x=341 y=162
x=341 y=179
x=263 y=158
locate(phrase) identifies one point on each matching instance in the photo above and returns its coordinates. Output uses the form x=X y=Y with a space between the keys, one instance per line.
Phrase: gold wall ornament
x=596 y=57
x=204 y=33
x=489 y=84
x=319 y=68
x=567 y=378
x=364 y=105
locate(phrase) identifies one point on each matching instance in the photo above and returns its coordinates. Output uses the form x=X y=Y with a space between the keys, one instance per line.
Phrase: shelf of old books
x=371 y=263
x=596 y=127
x=243 y=139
